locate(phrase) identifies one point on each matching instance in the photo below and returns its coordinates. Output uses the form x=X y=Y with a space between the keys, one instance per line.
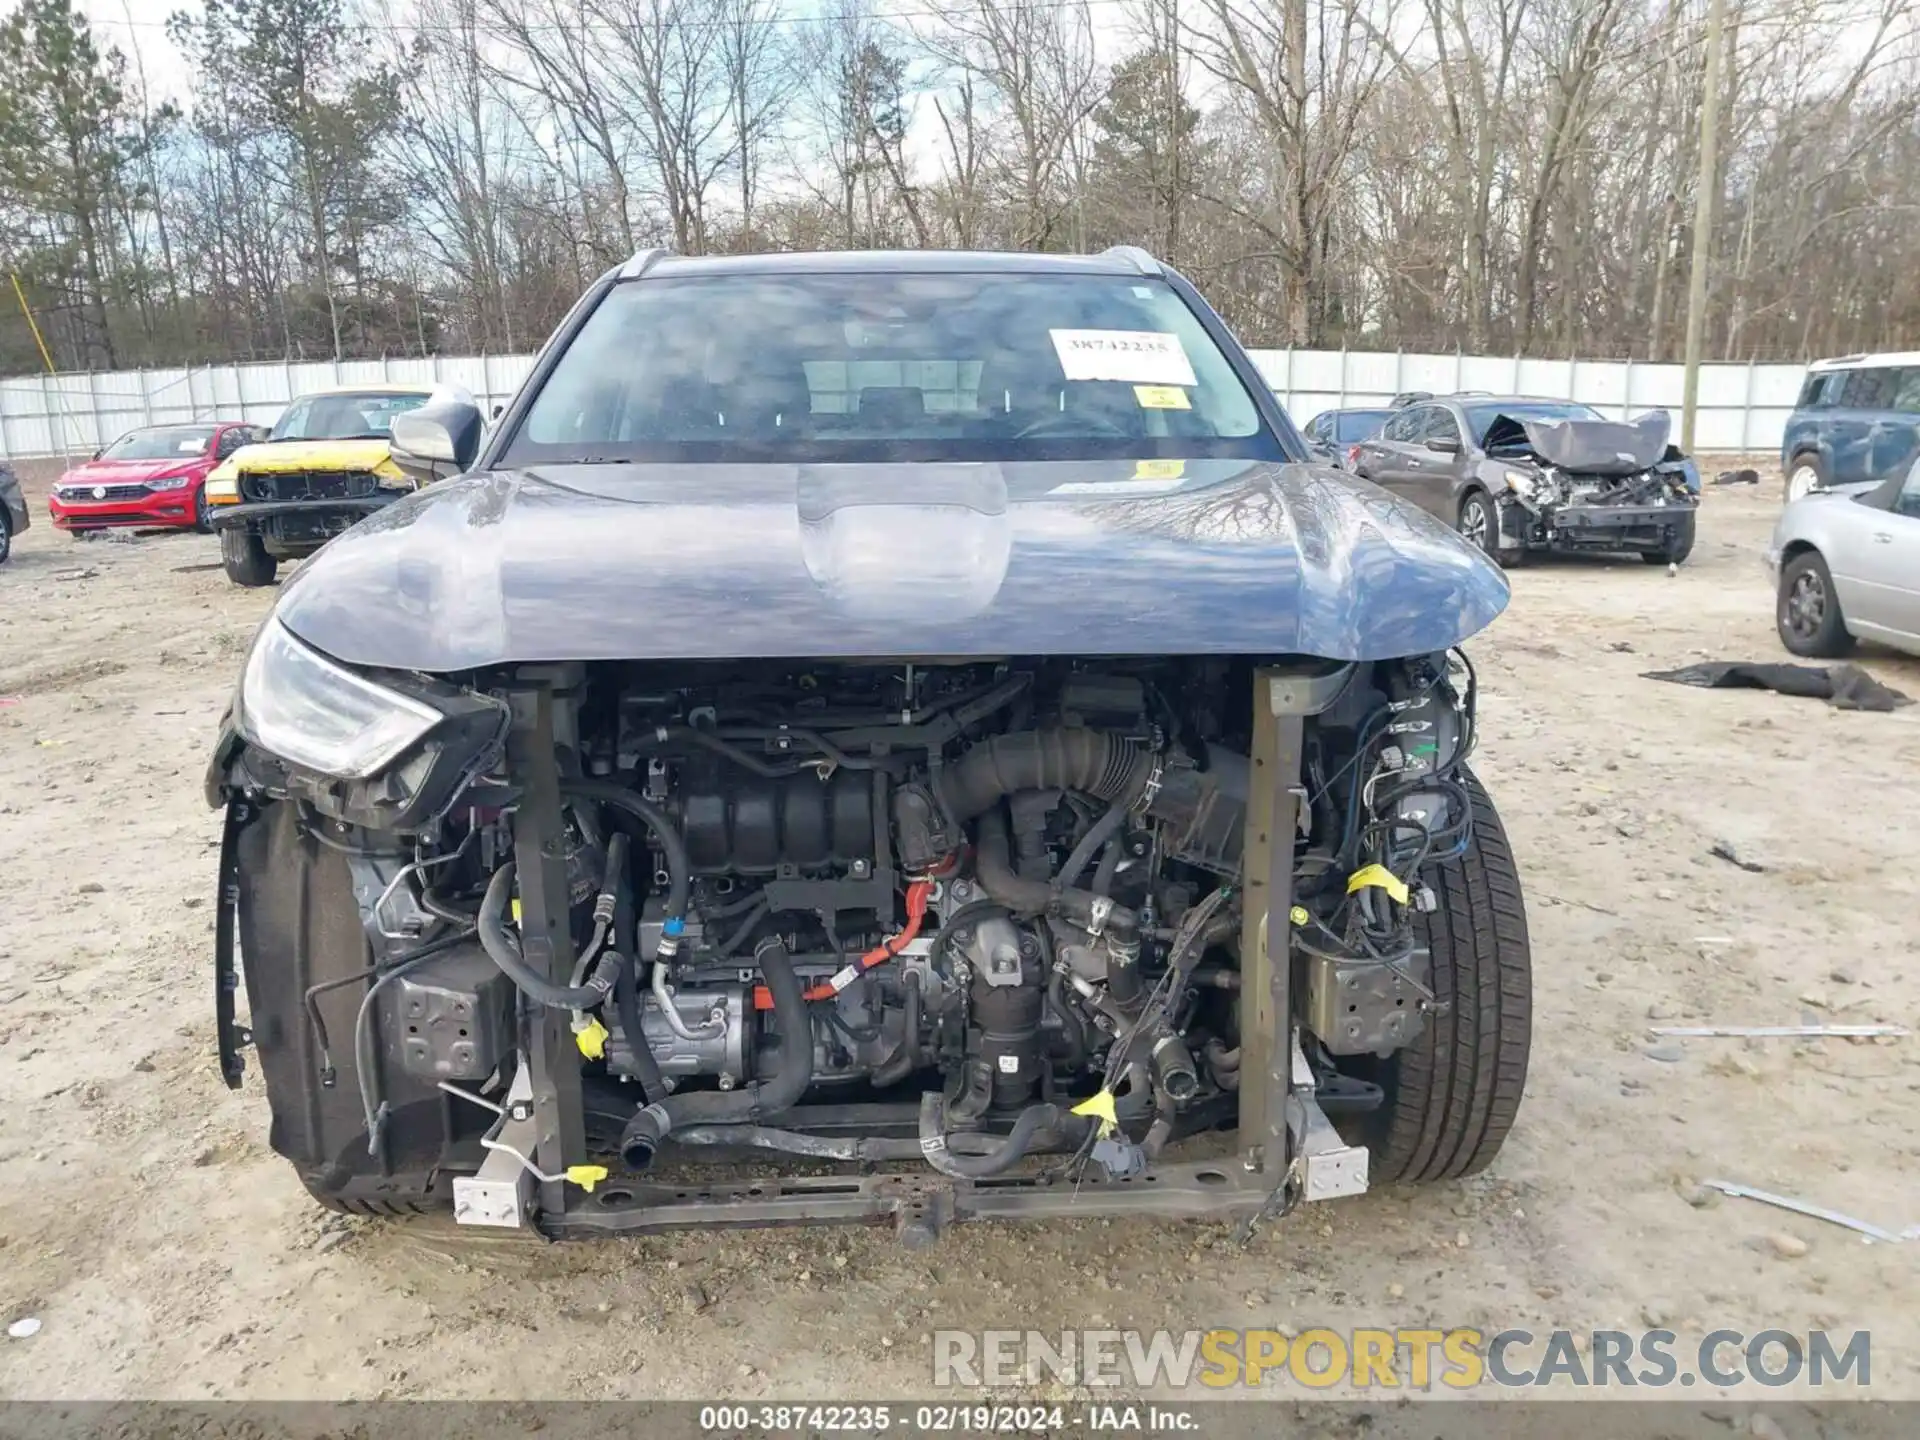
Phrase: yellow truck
x=325 y=465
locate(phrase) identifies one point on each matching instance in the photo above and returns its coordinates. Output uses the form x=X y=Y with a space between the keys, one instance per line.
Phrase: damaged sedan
x=913 y=721
x=1521 y=476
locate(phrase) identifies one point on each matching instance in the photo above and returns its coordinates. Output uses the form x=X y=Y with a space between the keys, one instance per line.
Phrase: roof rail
x=1134 y=256
x=642 y=262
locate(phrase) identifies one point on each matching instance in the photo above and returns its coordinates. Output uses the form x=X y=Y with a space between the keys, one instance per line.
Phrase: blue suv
x=1857 y=421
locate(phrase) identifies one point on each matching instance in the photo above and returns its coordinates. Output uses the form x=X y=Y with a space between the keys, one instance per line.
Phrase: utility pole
x=1703 y=198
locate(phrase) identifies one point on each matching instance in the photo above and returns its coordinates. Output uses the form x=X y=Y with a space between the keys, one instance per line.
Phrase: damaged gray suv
x=1521 y=476
x=914 y=720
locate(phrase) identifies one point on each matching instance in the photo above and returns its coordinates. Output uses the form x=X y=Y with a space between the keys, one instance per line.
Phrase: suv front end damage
x=1585 y=486
x=985 y=812
x=536 y=945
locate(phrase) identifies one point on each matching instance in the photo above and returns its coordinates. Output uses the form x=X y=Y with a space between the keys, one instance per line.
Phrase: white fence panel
x=1742 y=407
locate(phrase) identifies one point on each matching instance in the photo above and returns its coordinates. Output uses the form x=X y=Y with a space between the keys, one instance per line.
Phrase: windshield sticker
x=1162 y=397
x=1135 y=357
x=1159 y=469
x=191 y=446
x=1132 y=489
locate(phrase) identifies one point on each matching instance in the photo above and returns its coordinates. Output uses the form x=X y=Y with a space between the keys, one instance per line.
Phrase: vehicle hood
x=129 y=472
x=1158 y=557
x=1590 y=447
x=283 y=455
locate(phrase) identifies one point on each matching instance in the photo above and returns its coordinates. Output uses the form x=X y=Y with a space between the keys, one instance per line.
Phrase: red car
x=149 y=478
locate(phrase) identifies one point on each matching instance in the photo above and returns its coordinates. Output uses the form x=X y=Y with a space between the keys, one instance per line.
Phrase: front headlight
x=1522 y=483
x=168 y=482
x=300 y=706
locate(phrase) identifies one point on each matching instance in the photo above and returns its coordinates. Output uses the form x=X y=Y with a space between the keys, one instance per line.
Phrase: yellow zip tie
x=1381 y=877
x=1101 y=1107
x=586 y=1176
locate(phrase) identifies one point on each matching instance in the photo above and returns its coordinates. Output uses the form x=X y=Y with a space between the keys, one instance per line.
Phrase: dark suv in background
x=1857 y=422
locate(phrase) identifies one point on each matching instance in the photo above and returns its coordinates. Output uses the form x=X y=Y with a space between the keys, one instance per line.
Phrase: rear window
x=875 y=367
x=1353 y=426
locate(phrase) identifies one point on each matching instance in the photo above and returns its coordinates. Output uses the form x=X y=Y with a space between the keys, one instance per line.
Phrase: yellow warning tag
x=1381 y=877
x=592 y=1040
x=1161 y=397
x=516 y=909
x=1298 y=915
x=1100 y=1106
x=1159 y=469
x=586 y=1176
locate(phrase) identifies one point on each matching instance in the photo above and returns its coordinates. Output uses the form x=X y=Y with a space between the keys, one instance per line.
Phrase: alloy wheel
x=1474 y=524
x=1806 y=605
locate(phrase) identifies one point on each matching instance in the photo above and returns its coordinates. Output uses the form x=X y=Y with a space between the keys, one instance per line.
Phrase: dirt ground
x=167 y=1253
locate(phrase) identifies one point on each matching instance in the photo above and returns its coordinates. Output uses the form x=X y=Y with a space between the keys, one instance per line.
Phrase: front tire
x=1804 y=476
x=245 y=559
x=1451 y=1096
x=1807 y=612
x=6 y=537
x=202 y=512
x=1678 y=548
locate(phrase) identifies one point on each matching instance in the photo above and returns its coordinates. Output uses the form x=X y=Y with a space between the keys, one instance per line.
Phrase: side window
x=1405 y=426
x=1907 y=502
x=1318 y=426
x=1822 y=389
x=1906 y=391
x=1869 y=389
x=230 y=441
x=1441 y=425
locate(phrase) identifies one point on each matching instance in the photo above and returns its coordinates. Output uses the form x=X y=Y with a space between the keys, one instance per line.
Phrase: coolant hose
x=757 y=1102
x=997 y=1161
x=502 y=949
x=993 y=868
x=673 y=849
x=1091 y=761
x=626 y=996
x=1103 y=830
x=904 y=1061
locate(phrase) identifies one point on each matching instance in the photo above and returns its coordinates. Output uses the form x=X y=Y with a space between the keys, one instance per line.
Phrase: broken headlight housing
x=383 y=752
x=297 y=704
x=1523 y=483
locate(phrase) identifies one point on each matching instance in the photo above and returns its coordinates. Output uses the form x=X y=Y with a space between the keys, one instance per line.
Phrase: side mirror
x=1445 y=444
x=439 y=439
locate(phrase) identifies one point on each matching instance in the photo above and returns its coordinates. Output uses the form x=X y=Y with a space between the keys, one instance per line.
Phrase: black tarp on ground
x=1846 y=687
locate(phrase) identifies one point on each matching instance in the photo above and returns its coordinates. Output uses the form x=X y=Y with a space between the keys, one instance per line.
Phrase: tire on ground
x=1676 y=549
x=1832 y=640
x=1452 y=1095
x=245 y=559
x=1807 y=460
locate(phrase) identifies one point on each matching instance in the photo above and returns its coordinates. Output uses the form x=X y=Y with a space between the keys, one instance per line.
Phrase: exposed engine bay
x=1008 y=894
x=1592 y=485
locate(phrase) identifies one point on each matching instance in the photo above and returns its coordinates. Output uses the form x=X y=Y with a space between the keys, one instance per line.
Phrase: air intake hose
x=758 y=1102
x=1090 y=761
